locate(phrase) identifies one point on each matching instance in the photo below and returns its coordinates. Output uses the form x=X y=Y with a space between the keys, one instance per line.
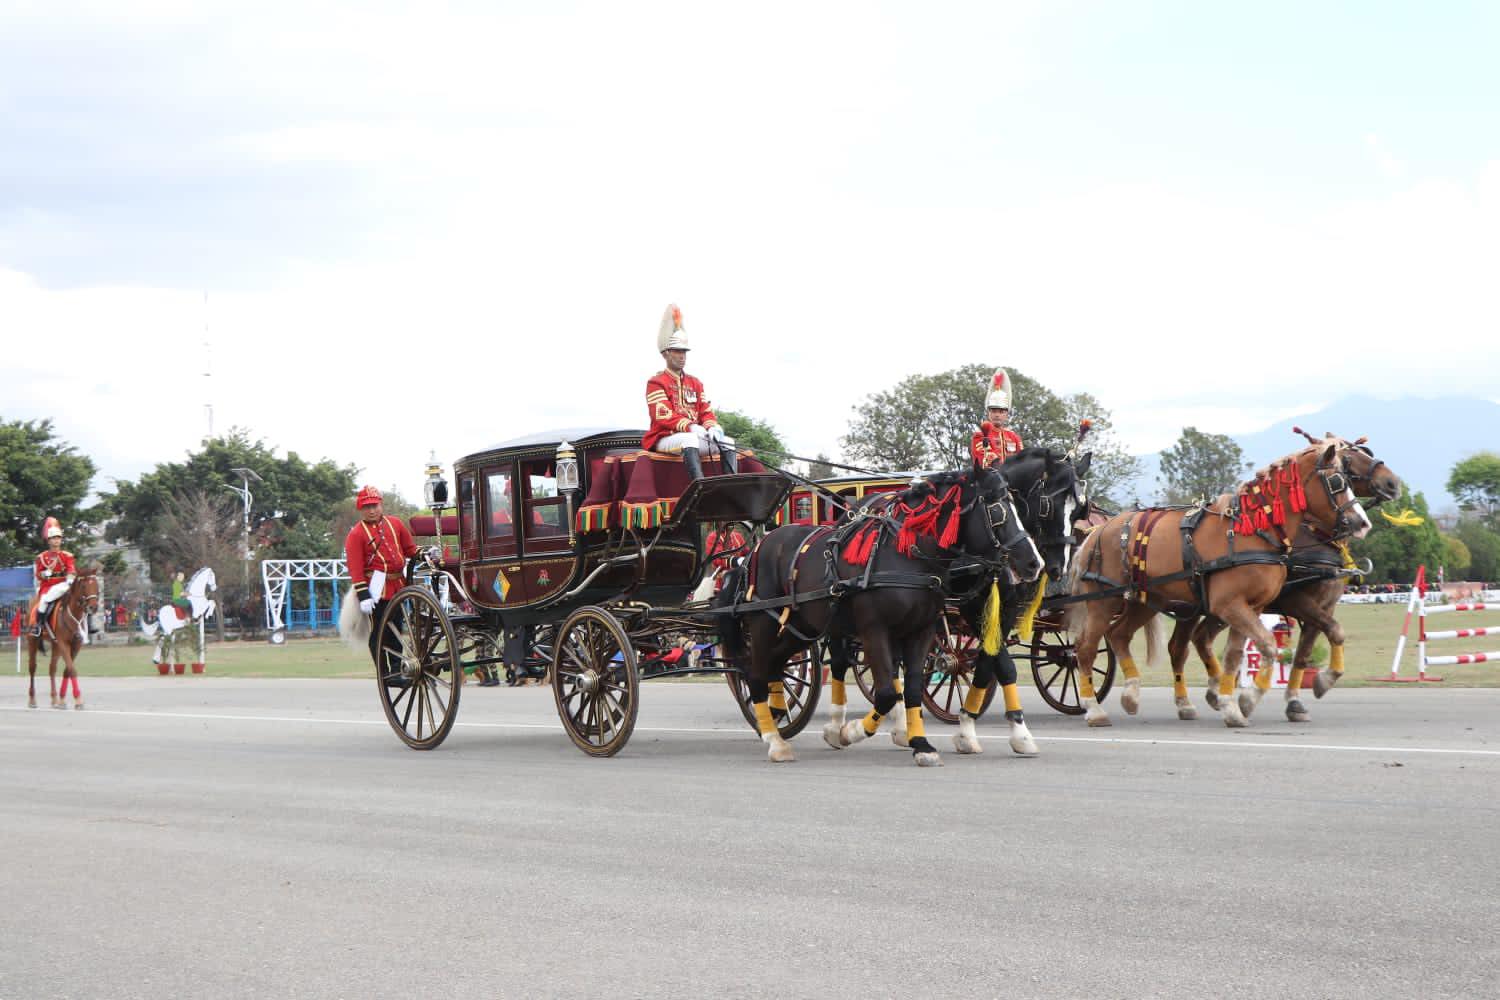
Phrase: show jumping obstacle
x=1418 y=603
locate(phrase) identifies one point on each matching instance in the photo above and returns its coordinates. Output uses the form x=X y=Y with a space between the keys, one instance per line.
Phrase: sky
x=384 y=230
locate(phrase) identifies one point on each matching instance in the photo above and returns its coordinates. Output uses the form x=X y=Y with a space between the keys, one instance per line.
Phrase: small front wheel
x=417 y=671
x=802 y=683
x=595 y=682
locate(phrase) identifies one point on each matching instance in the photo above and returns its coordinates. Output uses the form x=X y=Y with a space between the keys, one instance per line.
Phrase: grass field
x=1372 y=631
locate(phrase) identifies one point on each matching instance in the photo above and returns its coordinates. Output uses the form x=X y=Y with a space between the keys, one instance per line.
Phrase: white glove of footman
x=367 y=605
x=716 y=432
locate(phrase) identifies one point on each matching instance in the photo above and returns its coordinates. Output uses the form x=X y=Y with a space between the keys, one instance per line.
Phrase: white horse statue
x=193 y=607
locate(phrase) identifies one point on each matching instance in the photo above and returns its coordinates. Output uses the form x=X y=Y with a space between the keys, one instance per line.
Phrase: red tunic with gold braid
x=675 y=403
x=385 y=546
x=52 y=568
x=992 y=444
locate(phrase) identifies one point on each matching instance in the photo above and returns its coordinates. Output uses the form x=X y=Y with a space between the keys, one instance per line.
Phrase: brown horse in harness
x=1318 y=569
x=1227 y=559
x=65 y=630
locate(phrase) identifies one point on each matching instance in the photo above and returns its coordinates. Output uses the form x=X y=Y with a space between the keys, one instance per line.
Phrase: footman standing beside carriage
x=682 y=419
x=376 y=550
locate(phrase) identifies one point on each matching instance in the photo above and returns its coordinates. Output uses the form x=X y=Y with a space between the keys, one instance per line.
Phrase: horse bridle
x=1366 y=477
x=1335 y=483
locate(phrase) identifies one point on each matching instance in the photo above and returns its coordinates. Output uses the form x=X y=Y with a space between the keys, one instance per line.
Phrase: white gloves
x=433 y=555
x=697 y=429
x=367 y=605
x=716 y=432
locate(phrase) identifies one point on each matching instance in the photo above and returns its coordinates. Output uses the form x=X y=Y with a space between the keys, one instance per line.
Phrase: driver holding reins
x=994 y=442
x=682 y=420
x=55 y=572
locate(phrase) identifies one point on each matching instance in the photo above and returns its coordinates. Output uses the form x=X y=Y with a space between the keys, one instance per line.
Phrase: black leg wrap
x=1016 y=716
x=885 y=700
x=920 y=745
x=693 y=463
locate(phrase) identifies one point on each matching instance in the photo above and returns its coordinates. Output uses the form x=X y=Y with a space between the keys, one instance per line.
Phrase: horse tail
x=1078 y=611
x=354 y=624
x=1156 y=642
x=731 y=633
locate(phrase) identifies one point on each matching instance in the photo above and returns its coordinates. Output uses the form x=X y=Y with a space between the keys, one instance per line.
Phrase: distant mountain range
x=1422 y=439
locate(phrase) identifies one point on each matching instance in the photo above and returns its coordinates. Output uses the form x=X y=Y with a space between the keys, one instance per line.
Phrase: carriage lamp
x=435 y=489
x=567 y=468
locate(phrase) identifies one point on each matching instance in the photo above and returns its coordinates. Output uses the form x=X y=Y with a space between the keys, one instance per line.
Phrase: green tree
x=40 y=477
x=820 y=467
x=291 y=489
x=1456 y=557
x=1476 y=483
x=927 y=422
x=1200 y=467
x=1483 y=543
x=748 y=432
x=1396 y=550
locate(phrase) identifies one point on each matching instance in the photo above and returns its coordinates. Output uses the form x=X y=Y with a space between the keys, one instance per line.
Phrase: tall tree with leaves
x=927 y=421
x=1476 y=483
x=1201 y=466
x=1397 y=550
x=40 y=477
x=748 y=432
x=290 y=487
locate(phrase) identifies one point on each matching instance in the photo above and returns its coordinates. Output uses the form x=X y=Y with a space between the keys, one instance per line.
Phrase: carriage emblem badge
x=543 y=579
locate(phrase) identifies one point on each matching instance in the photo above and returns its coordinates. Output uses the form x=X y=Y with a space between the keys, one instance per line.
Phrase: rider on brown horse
x=55 y=571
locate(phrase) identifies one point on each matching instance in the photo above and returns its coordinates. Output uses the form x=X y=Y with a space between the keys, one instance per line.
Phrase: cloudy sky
x=386 y=231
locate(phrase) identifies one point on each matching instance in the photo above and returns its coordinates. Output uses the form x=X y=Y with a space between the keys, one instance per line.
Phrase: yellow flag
x=1408 y=518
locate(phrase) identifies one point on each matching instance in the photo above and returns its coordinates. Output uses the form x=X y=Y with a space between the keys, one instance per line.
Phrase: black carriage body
x=521 y=557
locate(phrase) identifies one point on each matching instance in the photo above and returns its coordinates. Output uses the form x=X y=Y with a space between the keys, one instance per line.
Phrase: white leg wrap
x=1130 y=696
x=1021 y=741
x=1185 y=710
x=779 y=750
x=854 y=732
x=1095 y=715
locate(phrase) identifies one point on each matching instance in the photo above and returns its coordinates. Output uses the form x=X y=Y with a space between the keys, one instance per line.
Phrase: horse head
x=1329 y=492
x=1051 y=494
x=991 y=525
x=1368 y=475
x=86 y=590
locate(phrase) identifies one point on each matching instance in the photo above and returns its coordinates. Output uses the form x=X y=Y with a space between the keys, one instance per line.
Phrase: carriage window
x=500 y=523
x=466 y=508
x=802 y=508
x=544 y=505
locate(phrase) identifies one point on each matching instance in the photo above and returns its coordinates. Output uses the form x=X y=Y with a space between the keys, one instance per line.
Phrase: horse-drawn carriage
x=581 y=548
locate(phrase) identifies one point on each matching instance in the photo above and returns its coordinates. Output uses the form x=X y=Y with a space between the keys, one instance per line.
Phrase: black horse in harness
x=879 y=575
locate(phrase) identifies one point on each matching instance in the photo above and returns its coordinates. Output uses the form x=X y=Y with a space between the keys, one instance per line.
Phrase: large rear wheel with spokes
x=417 y=670
x=950 y=670
x=594 y=681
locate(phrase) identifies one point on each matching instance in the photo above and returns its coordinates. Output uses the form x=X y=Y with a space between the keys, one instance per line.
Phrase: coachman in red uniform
x=376 y=550
x=682 y=419
x=54 y=571
x=994 y=442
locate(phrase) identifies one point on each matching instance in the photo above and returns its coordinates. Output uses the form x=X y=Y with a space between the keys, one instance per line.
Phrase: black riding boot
x=730 y=458
x=693 y=463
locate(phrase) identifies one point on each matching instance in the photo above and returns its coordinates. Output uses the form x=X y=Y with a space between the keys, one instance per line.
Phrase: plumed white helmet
x=51 y=529
x=999 y=396
x=671 y=336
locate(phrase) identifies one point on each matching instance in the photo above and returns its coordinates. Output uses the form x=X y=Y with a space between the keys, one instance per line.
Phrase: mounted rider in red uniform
x=376 y=550
x=682 y=419
x=994 y=442
x=54 y=571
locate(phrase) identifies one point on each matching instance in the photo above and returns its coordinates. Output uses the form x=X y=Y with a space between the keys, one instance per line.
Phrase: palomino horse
x=68 y=631
x=1047 y=488
x=879 y=575
x=1318 y=569
x=1227 y=559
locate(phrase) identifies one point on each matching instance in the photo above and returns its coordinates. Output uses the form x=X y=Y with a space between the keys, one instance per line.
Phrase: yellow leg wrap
x=1226 y=685
x=778 y=696
x=836 y=689
x=900 y=683
x=1179 y=686
x=1294 y=680
x=1263 y=675
x=1128 y=667
x=1214 y=667
x=914 y=727
x=1085 y=682
x=1012 y=697
x=1336 y=659
x=974 y=700
x=763 y=720
x=872 y=722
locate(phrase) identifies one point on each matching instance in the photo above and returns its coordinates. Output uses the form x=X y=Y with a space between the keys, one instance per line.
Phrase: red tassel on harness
x=1278 y=510
x=1245 y=525
x=857 y=551
x=949 y=537
x=1299 y=496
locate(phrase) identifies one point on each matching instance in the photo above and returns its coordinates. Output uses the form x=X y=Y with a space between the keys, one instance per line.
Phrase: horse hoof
x=833 y=735
x=1099 y=721
x=1296 y=711
x=1212 y=697
x=1232 y=717
x=1130 y=698
x=964 y=744
x=1324 y=681
x=1024 y=746
x=77 y=706
x=929 y=759
x=781 y=754
x=898 y=737
x=1248 y=699
x=853 y=732
x=31 y=703
x=1186 y=712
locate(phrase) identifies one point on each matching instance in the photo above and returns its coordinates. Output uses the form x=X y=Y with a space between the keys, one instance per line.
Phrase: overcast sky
x=438 y=230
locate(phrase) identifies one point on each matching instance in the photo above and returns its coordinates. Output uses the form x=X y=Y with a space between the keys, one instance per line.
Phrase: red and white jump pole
x=1419 y=602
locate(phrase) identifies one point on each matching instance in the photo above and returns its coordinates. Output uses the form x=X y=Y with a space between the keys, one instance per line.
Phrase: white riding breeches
x=673 y=444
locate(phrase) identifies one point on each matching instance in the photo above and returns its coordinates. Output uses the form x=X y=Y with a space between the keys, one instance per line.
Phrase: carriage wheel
x=950 y=671
x=478 y=644
x=801 y=679
x=1054 y=667
x=418 y=672
x=594 y=681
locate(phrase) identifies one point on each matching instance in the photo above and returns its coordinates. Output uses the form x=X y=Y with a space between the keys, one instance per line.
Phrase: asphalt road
x=199 y=836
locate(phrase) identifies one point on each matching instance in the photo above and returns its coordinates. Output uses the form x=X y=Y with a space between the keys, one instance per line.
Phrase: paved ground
x=201 y=836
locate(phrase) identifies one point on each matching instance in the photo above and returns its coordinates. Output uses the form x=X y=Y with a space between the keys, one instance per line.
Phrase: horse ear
x=1326 y=453
x=1081 y=467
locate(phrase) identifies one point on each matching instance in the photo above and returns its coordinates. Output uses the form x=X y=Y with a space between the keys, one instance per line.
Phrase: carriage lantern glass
x=567 y=468
x=435 y=488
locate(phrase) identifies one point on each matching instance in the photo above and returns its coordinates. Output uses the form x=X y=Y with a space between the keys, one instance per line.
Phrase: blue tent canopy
x=15 y=584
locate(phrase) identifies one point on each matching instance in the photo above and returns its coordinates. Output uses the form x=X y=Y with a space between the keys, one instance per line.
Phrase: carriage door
x=546 y=549
x=497 y=581
x=468 y=518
